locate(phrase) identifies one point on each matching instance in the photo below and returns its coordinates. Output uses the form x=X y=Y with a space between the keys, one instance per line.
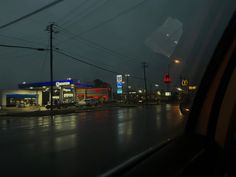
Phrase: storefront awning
x=21 y=96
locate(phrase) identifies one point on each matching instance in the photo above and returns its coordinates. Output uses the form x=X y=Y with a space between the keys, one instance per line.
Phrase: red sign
x=167 y=79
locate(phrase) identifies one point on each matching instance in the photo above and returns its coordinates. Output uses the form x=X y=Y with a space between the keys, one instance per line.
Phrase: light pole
x=175 y=61
x=144 y=64
x=167 y=78
x=127 y=86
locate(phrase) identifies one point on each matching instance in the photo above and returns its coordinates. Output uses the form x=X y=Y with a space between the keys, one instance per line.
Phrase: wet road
x=83 y=144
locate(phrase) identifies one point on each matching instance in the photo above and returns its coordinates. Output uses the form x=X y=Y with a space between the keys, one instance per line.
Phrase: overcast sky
x=109 y=33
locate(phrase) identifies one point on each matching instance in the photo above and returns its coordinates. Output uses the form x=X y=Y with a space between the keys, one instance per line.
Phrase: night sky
x=112 y=34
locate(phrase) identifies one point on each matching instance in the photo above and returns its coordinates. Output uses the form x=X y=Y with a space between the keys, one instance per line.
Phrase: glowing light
x=158 y=93
x=67 y=95
x=186 y=109
x=177 y=61
x=66 y=90
x=179 y=89
x=167 y=93
x=58 y=84
x=184 y=82
x=192 y=87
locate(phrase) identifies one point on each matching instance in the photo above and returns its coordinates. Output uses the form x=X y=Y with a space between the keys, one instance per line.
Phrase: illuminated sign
x=118 y=78
x=192 y=87
x=184 y=82
x=119 y=84
x=67 y=95
x=66 y=90
x=58 y=84
x=119 y=91
x=167 y=79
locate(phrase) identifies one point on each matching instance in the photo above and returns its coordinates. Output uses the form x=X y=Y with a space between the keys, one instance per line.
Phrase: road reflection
x=94 y=140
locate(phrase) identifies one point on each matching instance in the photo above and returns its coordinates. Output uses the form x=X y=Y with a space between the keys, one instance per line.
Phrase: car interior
x=207 y=148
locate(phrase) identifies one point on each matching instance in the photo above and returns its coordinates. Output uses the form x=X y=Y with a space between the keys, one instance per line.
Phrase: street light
x=127 y=86
x=175 y=61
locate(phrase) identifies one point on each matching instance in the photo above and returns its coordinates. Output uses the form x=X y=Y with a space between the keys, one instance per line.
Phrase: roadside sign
x=119 y=84
x=184 y=82
x=167 y=79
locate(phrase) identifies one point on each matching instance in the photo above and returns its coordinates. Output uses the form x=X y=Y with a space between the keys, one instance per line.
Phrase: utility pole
x=50 y=28
x=127 y=86
x=144 y=64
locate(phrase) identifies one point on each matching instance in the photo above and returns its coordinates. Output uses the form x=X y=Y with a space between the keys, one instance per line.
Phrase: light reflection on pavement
x=84 y=144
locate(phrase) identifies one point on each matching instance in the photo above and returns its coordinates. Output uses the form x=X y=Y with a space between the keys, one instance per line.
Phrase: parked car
x=88 y=102
x=60 y=105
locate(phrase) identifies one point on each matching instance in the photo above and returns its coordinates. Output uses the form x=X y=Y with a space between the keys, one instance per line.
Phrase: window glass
x=92 y=83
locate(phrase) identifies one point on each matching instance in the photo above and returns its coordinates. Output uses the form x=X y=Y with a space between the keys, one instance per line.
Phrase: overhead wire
x=88 y=58
x=108 y=20
x=87 y=11
x=70 y=13
x=21 y=39
x=80 y=59
x=101 y=47
x=93 y=44
x=30 y=14
x=132 y=76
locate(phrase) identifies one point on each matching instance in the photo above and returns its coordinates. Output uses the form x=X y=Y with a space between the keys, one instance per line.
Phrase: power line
x=114 y=17
x=67 y=15
x=20 y=39
x=86 y=12
x=109 y=19
x=80 y=59
x=30 y=14
x=85 y=62
x=22 y=47
x=100 y=47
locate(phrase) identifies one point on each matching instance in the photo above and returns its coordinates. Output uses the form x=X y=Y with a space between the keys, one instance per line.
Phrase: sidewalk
x=42 y=111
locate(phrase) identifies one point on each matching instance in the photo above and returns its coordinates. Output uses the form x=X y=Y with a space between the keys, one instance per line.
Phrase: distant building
x=20 y=98
x=100 y=94
x=67 y=91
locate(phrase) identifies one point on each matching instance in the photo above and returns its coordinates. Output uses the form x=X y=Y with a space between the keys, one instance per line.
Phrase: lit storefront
x=63 y=90
x=100 y=94
x=67 y=91
x=20 y=98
